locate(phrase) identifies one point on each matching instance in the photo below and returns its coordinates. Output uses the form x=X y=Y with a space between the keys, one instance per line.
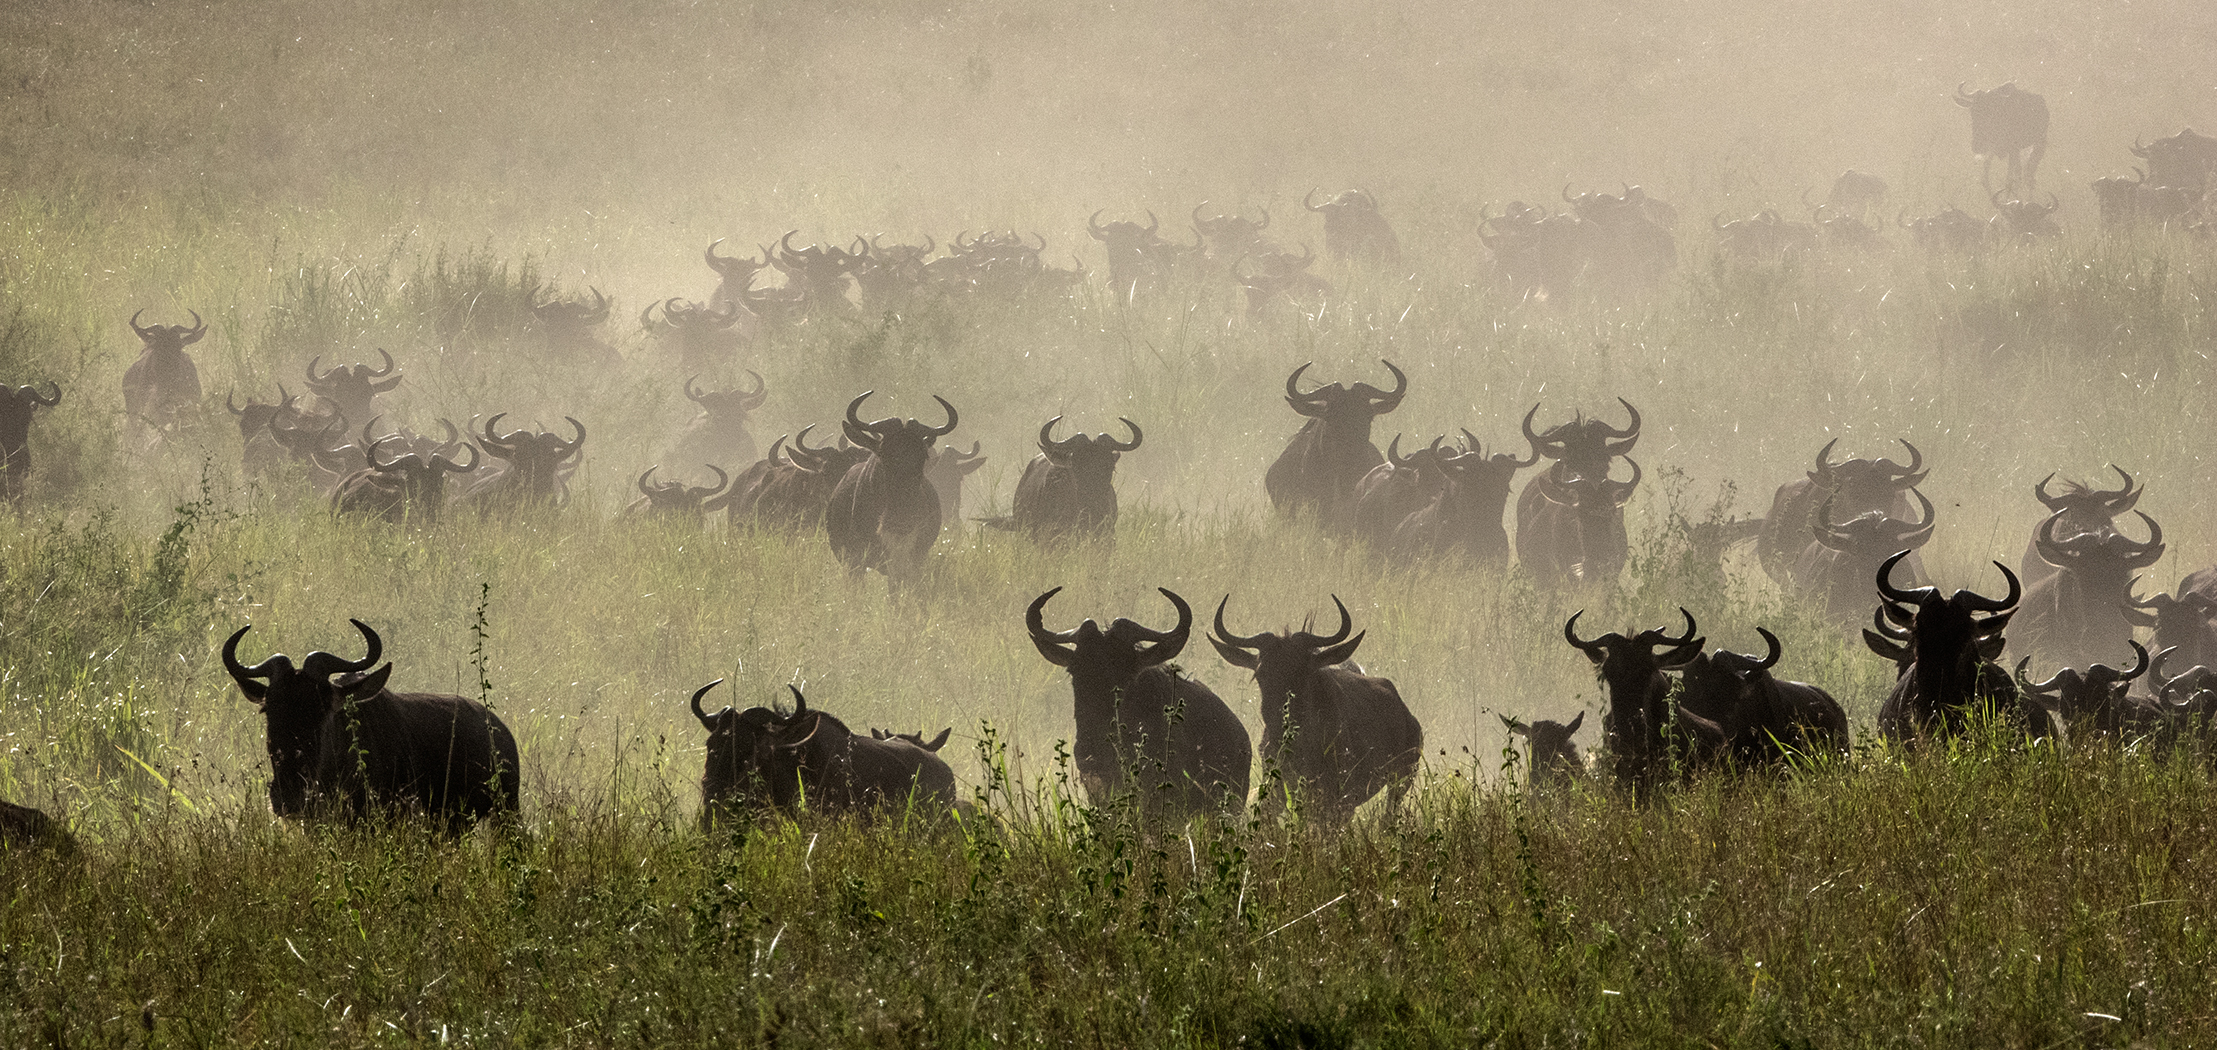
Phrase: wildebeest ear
x=1235 y=655
x=940 y=741
x=1572 y=729
x=1341 y=653
x=370 y=684
x=1515 y=726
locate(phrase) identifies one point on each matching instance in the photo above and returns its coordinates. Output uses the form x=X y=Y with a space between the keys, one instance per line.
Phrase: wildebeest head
x=676 y=498
x=294 y=702
x=1340 y=406
x=1231 y=236
x=353 y=389
x=902 y=444
x=1582 y=448
x=820 y=272
x=1869 y=537
x=1856 y=194
x=16 y=405
x=169 y=338
x=1554 y=758
x=2085 y=508
x=412 y=482
x=2186 y=161
x=569 y=316
x=737 y=273
x=2100 y=554
x=1112 y=656
x=1596 y=505
x=535 y=457
x=2184 y=620
x=2024 y=219
x=257 y=416
x=1091 y=458
x=1946 y=635
x=1860 y=486
x=2089 y=700
x=739 y=752
x=1639 y=692
x=728 y=407
x=1283 y=661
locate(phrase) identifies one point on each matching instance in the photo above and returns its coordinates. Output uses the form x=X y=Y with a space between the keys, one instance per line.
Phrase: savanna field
x=336 y=180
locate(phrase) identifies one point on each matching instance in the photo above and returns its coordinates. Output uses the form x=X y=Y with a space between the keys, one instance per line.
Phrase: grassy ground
x=334 y=182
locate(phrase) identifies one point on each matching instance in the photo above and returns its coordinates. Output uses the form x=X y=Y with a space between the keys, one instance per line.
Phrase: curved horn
x=1123 y=446
x=1225 y=635
x=313 y=378
x=1655 y=636
x=1631 y=431
x=2122 y=499
x=1914 y=473
x=1058 y=648
x=2142 y=555
x=1169 y=643
x=1047 y=442
x=1393 y=454
x=1888 y=591
x=1293 y=393
x=2138 y=668
x=1570 y=634
x=1771 y=660
x=1980 y=603
x=952 y=418
x=1392 y=399
x=854 y=406
x=134 y=323
x=388 y=369
x=2040 y=492
x=199 y=328
x=1307 y=197
x=49 y=400
x=2053 y=683
x=753 y=399
x=691 y=394
x=706 y=722
x=573 y=444
x=228 y=402
x=324 y=665
x=1093 y=225
x=1823 y=474
x=1346 y=625
x=245 y=675
x=453 y=466
x=643 y=490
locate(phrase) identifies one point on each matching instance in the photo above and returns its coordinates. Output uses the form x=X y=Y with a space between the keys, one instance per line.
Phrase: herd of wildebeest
x=1334 y=736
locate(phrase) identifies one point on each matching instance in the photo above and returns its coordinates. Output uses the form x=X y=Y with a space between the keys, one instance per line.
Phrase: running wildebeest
x=1070 y=487
x=163 y=381
x=883 y=515
x=1142 y=726
x=2186 y=162
x=1464 y=514
x=2084 y=509
x=567 y=326
x=1354 y=229
x=1855 y=487
x=1836 y=567
x=1320 y=467
x=1140 y=261
x=2077 y=614
x=2010 y=122
x=1951 y=675
x=16 y=406
x=2185 y=620
x=1229 y=237
x=1646 y=735
x=676 y=500
x=1764 y=720
x=1570 y=519
x=352 y=389
x=351 y=744
x=1339 y=736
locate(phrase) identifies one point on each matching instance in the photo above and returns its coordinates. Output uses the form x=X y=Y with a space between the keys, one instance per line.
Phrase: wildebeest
x=2186 y=162
x=1764 y=237
x=352 y=389
x=1339 y=736
x=2017 y=219
x=2077 y=614
x=2131 y=202
x=2093 y=703
x=1228 y=237
x=1140 y=261
x=945 y=470
x=888 y=275
x=1269 y=278
x=1836 y=567
x=1070 y=487
x=1320 y=467
x=1950 y=229
x=350 y=743
x=1141 y=726
x=567 y=326
x=1553 y=760
x=1538 y=255
x=1857 y=194
x=736 y=287
x=16 y=406
x=677 y=500
x=817 y=276
x=2083 y=509
x=1395 y=489
x=1623 y=241
x=883 y=515
x=2185 y=620
x=1855 y=487
x=25 y=827
x=815 y=758
x=259 y=453
x=736 y=778
x=1463 y=517
x=1354 y=229
x=1570 y=519
x=705 y=336
x=719 y=434
x=792 y=486
x=2007 y=121
x=408 y=487
x=1763 y=719
x=538 y=465
x=1841 y=229
x=1950 y=675
x=1645 y=735
x=163 y=381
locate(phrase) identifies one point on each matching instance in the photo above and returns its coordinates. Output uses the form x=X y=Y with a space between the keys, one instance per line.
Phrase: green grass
x=339 y=181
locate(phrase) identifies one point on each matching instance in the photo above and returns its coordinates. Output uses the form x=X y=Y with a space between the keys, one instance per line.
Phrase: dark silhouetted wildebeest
x=410 y=487
x=2020 y=220
x=676 y=500
x=567 y=326
x=812 y=757
x=883 y=515
x=1339 y=736
x=1354 y=229
x=1141 y=726
x=537 y=470
x=22 y=827
x=1570 y=520
x=1763 y=719
x=1394 y=489
x=736 y=287
x=818 y=276
x=2008 y=122
x=163 y=381
x=1854 y=487
x=1140 y=261
x=2185 y=620
x=2083 y=509
x=352 y=389
x=719 y=434
x=1537 y=255
x=2094 y=704
x=1463 y=517
x=16 y=406
x=350 y=744
x=2077 y=614
x=1647 y=737
x=1552 y=760
x=1836 y=567
x=2186 y=162
x=1318 y=471
x=1070 y=487
x=791 y=488
x=1951 y=675
x=1270 y=278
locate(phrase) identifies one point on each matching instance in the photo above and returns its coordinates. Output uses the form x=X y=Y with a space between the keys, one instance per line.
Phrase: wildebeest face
x=1282 y=662
x=1114 y=655
x=1583 y=447
x=903 y=445
x=295 y=702
x=170 y=338
x=1091 y=459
